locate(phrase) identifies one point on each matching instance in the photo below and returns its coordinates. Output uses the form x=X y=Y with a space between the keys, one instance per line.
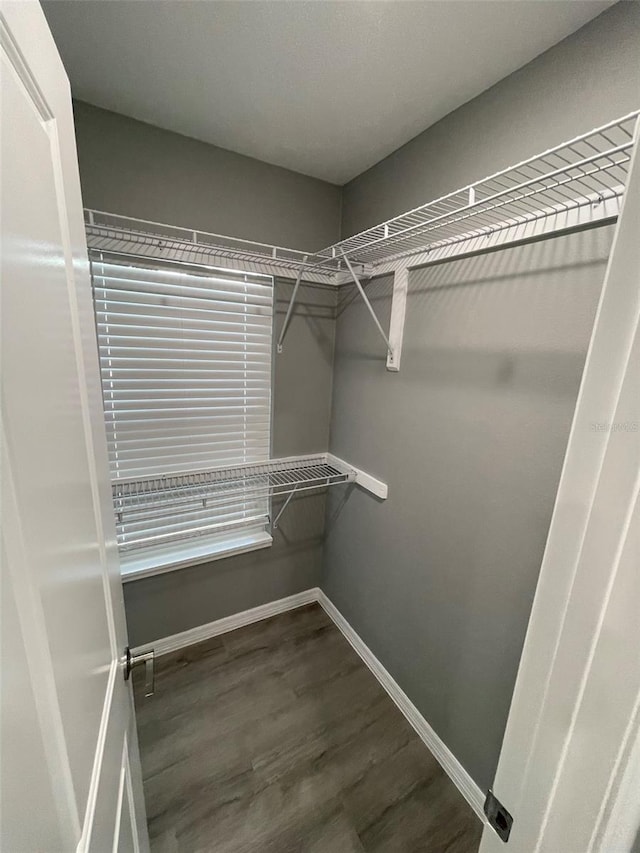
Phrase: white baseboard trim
x=229 y=623
x=449 y=763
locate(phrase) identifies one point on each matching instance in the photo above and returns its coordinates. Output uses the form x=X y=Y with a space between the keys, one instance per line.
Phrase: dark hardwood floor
x=276 y=738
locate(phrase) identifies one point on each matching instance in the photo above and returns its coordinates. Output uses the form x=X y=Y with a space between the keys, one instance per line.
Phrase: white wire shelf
x=576 y=184
x=125 y=235
x=275 y=477
x=140 y=505
x=584 y=172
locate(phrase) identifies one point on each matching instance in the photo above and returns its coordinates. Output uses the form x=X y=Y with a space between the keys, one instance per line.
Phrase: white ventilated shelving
x=141 y=505
x=583 y=173
x=577 y=184
x=126 y=235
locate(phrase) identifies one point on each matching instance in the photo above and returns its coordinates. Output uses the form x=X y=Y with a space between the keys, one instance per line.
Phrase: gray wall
x=134 y=169
x=470 y=436
x=166 y=604
x=591 y=77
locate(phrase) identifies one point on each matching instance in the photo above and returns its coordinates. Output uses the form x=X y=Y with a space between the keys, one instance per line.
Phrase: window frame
x=193 y=549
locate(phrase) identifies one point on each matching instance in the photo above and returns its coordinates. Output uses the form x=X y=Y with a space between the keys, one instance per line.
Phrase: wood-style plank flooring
x=276 y=738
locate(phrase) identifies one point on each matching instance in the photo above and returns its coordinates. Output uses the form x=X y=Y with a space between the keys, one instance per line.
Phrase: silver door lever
x=145 y=658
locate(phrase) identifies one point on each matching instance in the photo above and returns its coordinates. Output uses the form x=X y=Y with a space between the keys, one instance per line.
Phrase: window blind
x=185 y=360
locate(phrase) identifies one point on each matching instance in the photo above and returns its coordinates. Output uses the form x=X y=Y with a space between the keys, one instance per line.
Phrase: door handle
x=146 y=658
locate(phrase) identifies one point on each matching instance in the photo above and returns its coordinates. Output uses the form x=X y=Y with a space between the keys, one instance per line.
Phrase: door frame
x=559 y=663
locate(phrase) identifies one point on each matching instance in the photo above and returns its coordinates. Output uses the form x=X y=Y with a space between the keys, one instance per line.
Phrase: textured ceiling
x=323 y=88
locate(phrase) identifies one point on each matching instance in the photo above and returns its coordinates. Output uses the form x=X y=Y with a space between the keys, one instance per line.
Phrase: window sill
x=180 y=556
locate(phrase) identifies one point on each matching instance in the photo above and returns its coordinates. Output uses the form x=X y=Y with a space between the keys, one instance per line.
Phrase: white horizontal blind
x=185 y=358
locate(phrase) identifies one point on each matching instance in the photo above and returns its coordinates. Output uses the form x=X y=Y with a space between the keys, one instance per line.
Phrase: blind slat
x=136 y=430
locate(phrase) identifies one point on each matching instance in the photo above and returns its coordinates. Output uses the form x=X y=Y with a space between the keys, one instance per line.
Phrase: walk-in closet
x=320 y=426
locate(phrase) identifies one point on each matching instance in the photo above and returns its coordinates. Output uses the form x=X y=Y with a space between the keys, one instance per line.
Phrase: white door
x=70 y=775
x=570 y=763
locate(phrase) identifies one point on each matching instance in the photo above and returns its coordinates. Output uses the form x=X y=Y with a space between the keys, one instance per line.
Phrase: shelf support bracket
x=398 y=312
x=361 y=478
x=368 y=304
x=282 y=508
x=291 y=304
